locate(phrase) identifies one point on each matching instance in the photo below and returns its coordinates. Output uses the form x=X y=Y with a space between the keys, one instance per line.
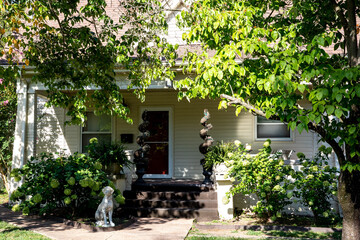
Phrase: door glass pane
x=158 y=161
x=159 y=126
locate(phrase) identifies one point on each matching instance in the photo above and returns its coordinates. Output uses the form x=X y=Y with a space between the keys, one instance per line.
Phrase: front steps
x=171 y=199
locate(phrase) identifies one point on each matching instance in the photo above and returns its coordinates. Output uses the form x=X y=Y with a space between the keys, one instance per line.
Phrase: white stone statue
x=105 y=208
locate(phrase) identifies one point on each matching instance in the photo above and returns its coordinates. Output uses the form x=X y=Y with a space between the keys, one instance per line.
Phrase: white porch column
x=24 y=135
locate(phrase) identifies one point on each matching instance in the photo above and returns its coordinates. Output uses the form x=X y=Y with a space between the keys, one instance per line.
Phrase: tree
x=270 y=57
x=77 y=44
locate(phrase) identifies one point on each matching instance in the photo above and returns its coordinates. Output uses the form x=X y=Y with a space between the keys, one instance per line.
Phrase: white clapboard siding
x=52 y=135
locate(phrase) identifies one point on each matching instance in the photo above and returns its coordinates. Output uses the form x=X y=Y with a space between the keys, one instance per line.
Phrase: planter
x=119 y=180
x=112 y=169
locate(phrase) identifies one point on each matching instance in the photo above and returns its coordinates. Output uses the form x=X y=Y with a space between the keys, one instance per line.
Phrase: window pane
x=273 y=131
x=101 y=138
x=265 y=120
x=97 y=123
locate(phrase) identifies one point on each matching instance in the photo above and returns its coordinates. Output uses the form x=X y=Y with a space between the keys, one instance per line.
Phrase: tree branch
x=341 y=15
x=237 y=101
x=312 y=126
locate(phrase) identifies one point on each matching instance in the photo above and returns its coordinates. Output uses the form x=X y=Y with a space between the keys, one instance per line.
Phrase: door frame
x=171 y=139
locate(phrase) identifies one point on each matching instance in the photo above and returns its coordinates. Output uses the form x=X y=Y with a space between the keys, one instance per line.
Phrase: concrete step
x=171 y=186
x=171 y=195
x=195 y=204
x=199 y=214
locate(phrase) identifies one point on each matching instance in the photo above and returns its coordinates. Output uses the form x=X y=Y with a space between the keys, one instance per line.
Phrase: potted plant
x=111 y=155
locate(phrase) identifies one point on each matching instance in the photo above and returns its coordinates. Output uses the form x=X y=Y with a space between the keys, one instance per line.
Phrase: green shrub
x=106 y=153
x=317 y=184
x=71 y=184
x=262 y=174
x=220 y=152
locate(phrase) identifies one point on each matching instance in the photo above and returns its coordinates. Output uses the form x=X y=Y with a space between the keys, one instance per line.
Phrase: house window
x=96 y=126
x=271 y=129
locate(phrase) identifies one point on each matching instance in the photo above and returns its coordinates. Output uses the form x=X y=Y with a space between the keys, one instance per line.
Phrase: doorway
x=160 y=142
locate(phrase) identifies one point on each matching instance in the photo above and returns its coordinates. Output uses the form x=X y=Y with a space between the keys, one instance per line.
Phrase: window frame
x=280 y=139
x=95 y=133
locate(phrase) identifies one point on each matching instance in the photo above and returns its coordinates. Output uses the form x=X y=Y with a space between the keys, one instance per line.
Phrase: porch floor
x=173 y=185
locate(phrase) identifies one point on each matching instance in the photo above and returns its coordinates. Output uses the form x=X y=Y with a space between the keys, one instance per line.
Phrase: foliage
x=72 y=184
x=294 y=61
x=317 y=184
x=106 y=153
x=220 y=152
x=8 y=103
x=76 y=44
x=274 y=183
x=262 y=174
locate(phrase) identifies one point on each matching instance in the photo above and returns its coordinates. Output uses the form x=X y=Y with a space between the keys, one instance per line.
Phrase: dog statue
x=105 y=207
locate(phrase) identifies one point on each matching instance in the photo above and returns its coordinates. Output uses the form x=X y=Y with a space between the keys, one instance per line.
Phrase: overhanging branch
x=312 y=126
x=236 y=101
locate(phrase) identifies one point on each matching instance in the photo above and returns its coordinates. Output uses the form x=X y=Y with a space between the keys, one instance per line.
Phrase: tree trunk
x=351 y=212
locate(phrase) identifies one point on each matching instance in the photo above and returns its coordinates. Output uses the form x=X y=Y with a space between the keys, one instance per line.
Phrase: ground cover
x=196 y=234
x=215 y=230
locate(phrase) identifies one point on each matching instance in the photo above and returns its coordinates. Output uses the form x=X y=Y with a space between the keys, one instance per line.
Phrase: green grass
x=4 y=197
x=9 y=231
x=300 y=234
x=198 y=235
x=217 y=238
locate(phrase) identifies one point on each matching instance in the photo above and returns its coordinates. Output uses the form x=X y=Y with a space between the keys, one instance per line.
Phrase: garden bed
x=89 y=224
x=285 y=223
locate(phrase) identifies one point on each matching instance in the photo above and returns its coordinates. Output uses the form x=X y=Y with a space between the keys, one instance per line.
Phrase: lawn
x=9 y=231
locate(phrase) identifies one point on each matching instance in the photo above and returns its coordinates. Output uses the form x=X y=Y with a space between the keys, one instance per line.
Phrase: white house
x=175 y=153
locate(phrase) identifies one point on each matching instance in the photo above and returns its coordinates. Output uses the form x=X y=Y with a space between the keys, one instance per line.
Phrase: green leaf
x=352 y=130
x=319 y=95
x=338 y=113
x=232 y=69
x=338 y=97
x=220 y=75
x=300 y=127
x=301 y=88
x=357 y=90
x=330 y=109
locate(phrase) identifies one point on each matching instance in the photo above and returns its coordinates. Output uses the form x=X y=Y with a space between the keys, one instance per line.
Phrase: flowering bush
x=317 y=184
x=262 y=174
x=8 y=104
x=266 y=176
x=72 y=184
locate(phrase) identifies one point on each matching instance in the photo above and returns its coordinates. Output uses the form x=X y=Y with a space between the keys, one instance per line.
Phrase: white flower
x=246 y=162
x=230 y=154
x=237 y=143
x=247 y=147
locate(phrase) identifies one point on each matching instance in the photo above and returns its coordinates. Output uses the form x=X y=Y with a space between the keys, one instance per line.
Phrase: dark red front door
x=159 y=142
